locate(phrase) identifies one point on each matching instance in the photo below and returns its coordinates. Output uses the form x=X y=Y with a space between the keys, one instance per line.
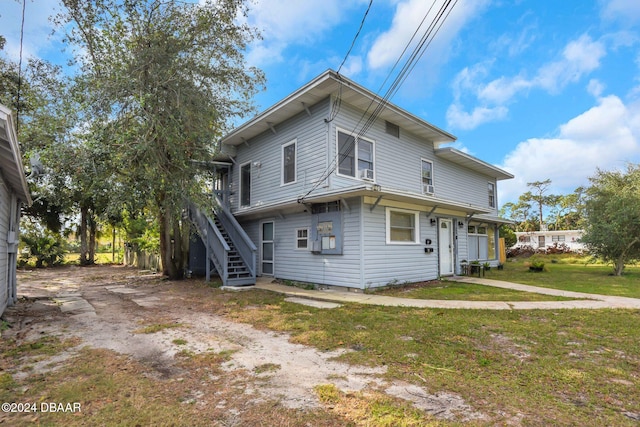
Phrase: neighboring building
x=321 y=200
x=13 y=193
x=546 y=239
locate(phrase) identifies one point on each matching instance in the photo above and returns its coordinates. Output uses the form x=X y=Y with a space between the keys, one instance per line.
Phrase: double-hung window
x=289 y=162
x=492 y=194
x=402 y=226
x=427 y=177
x=355 y=156
x=302 y=238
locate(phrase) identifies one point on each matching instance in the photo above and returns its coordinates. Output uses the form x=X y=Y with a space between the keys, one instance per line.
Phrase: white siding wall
x=5 y=212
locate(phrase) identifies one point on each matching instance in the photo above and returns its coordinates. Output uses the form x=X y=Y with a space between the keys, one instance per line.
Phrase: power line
x=24 y=4
x=356 y=36
x=417 y=53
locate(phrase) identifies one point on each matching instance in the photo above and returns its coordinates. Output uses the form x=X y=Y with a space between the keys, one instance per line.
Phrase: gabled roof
x=470 y=162
x=10 y=158
x=351 y=93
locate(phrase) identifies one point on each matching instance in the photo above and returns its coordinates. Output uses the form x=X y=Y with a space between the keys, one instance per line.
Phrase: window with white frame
x=289 y=162
x=355 y=156
x=491 y=187
x=302 y=238
x=245 y=184
x=558 y=238
x=481 y=242
x=427 y=177
x=402 y=226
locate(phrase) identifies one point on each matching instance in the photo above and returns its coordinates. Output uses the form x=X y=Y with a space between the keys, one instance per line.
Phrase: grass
x=572 y=274
x=546 y=367
x=157 y=327
x=449 y=290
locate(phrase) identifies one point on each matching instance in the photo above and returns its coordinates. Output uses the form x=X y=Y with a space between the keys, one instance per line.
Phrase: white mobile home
x=324 y=192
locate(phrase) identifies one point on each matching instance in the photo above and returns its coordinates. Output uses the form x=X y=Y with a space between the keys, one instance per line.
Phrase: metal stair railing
x=243 y=244
x=216 y=247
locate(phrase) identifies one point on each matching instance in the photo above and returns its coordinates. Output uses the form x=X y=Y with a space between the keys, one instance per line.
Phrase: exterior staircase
x=227 y=245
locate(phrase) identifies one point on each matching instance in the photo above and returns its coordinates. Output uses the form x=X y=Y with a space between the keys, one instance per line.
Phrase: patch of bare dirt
x=122 y=301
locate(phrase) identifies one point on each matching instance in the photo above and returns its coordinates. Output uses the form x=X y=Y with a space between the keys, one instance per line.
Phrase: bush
x=47 y=248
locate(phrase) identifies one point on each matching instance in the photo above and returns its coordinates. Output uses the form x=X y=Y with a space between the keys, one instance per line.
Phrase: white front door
x=445 y=247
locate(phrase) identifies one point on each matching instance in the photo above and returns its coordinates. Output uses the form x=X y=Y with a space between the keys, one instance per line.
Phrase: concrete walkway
x=589 y=301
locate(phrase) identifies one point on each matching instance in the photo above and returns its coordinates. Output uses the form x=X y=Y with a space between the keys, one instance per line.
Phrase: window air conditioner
x=366 y=174
x=427 y=189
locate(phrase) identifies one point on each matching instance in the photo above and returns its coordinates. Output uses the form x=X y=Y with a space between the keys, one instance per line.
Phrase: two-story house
x=334 y=187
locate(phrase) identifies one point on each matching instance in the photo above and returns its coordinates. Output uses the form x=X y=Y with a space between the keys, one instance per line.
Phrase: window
x=245 y=184
x=492 y=195
x=558 y=238
x=355 y=156
x=481 y=242
x=427 y=177
x=525 y=239
x=289 y=162
x=302 y=238
x=402 y=226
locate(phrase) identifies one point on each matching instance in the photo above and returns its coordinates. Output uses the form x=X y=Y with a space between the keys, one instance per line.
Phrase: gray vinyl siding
x=310 y=132
x=388 y=263
x=454 y=182
x=5 y=213
x=304 y=266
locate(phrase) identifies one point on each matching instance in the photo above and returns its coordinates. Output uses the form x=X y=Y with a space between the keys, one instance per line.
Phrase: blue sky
x=543 y=89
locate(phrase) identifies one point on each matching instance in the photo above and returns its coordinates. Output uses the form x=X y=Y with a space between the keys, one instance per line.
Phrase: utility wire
x=356 y=36
x=417 y=53
x=24 y=4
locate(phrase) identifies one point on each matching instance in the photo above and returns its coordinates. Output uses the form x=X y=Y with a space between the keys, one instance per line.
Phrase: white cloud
x=407 y=18
x=624 y=10
x=37 y=28
x=283 y=23
x=579 y=57
x=607 y=136
x=461 y=119
x=595 y=87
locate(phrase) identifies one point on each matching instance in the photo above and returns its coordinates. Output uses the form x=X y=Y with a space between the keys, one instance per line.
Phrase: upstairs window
x=355 y=156
x=492 y=194
x=427 y=177
x=289 y=162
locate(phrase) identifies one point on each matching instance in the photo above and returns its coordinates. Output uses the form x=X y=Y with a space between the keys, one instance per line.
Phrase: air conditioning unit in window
x=427 y=189
x=366 y=174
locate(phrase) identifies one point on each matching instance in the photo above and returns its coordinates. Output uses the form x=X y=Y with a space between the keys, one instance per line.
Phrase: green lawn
x=450 y=290
x=572 y=274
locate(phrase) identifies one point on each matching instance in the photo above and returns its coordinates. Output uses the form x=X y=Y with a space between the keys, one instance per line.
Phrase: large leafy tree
x=612 y=209
x=164 y=78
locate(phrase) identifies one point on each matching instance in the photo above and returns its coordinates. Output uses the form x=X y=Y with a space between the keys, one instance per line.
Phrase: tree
x=612 y=210
x=537 y=195
x=164 y=79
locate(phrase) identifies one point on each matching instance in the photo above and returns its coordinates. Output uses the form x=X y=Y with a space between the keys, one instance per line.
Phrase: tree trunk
x=92 y=238
x=619 y=266
x=83 y=235
x=171 y=251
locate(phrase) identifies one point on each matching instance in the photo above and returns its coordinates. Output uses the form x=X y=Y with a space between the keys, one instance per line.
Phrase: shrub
x=47 y=248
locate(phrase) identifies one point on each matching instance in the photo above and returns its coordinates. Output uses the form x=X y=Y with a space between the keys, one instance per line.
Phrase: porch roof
x=374 y=195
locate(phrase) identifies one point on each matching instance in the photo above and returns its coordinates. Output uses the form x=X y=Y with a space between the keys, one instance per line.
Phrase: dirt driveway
x=116 y=308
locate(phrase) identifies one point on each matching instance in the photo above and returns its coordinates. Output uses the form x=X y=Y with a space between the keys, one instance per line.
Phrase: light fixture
x=460 y=224
x=433 y=222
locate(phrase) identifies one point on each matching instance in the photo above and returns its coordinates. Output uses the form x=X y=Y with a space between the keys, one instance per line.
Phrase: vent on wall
x=392 y=129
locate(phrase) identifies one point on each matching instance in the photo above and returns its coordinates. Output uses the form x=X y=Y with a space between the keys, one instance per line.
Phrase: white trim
x=241 y=186
x=273 y=247
x=495 y=195
x=297 y=239
x=416 y=226
x=295 y=162
x=422 y=159
x=356 y=138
